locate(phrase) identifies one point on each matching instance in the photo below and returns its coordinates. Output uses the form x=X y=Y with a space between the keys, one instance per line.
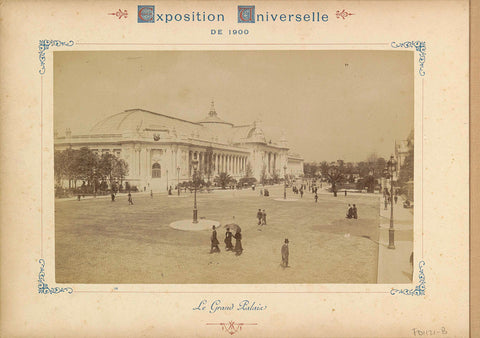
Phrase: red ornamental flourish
x=343 y=14
x=120 y=14
x=231 y=327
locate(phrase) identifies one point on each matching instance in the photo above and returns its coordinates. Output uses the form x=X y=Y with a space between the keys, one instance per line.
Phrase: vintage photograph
x=234 y=167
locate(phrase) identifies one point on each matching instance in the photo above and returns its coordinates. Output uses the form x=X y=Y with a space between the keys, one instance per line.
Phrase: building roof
x=213 y=117
x=133 y=119
x=142 y=122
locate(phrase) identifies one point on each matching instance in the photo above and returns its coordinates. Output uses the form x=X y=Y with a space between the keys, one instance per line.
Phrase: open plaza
x=100 y=241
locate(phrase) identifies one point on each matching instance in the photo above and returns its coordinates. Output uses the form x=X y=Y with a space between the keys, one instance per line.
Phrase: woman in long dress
x=238 y=243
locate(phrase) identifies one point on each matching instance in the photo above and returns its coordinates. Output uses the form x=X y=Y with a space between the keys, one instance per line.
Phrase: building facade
x=160 y=150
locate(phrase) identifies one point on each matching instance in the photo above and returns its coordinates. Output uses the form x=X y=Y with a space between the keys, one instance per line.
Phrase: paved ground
x=99 y=241
x=394 y=264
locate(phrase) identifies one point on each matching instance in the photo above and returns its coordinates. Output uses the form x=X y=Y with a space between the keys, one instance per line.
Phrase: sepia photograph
x=234 y=167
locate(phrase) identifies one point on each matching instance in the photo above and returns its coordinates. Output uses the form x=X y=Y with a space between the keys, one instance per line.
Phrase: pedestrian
x=214 y=241
x=130 y=200
x=354 y=211
x=345 y=192
x=395 y=199
x=259 y=216
x=151 y=193
x=349 y=211
x=285 y=254
x=228 y=240
x=113 y=197
x=301 y=193
x=238 y=242
x=264 y=217
x=386 y=203
x=316 y=197
x=261 y=192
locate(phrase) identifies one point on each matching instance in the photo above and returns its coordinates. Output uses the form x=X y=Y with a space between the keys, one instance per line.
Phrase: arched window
x=156 y=170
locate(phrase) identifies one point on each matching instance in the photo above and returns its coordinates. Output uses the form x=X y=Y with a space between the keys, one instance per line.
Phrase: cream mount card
x=329 y=138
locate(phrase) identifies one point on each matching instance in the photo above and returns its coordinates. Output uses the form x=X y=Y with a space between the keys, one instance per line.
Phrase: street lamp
x=195 y=211
x=178 y=180
x=391 y=168
x=94 y=183
x=285 y=182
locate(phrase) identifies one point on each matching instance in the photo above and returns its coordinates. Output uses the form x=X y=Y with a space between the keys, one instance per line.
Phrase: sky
x=331 y=104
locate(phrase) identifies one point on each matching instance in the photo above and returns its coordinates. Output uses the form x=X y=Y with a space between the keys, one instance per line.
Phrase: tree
x=64 y=165
x=263 y=174
x=334 y=175
x=105 y=167
x=248 y=170
x=310 y=169
x=275 y=177
x=120 y=170
x=223 y=180
x=209 y=163
x=112 y=168
x=84 y=164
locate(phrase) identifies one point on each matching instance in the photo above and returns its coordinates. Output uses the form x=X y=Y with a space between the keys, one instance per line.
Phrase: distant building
x=402 y=148
x=160 y=149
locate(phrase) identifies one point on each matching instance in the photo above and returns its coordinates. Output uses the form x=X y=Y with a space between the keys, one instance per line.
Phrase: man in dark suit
x=214 y=241
x=285 y=254
x=259 y=216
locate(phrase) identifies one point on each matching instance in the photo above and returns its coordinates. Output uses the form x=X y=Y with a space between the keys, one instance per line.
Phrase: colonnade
x=232 y=164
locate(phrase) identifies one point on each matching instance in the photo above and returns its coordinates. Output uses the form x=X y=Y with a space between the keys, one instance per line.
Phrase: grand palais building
x=160 y=149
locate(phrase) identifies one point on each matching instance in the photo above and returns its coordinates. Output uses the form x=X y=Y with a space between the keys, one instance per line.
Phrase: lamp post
x=391 y=167
x=195 y=211
x=178 y=180
x=285 y=182
x=167 y=179
x=94 y=183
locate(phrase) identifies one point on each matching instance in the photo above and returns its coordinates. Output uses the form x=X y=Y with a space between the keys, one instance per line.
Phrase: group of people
x=264 y=192
x=388 y=198
x=262 y=217
x=352 y=211
x=238 y=249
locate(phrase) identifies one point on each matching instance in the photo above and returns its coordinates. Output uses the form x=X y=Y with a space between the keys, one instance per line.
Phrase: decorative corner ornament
x=419 y=289
x=43 y=287
x=420 y=48
x=343 y=14
x=120 y=14
x=43 y=45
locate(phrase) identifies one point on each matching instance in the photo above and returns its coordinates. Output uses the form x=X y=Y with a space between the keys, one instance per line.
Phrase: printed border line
x=423 y=80
x=233 y=44
x=41 y=166
x=45 y=44
x=227 y=292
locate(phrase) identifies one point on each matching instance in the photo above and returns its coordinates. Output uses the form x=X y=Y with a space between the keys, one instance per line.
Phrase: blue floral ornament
x=419 y=289
x=420 y=48
x=43 y=45
x=43 y=287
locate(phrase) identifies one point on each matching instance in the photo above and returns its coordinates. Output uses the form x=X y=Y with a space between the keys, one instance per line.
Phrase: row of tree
x=91 y=169
x=364 y=174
